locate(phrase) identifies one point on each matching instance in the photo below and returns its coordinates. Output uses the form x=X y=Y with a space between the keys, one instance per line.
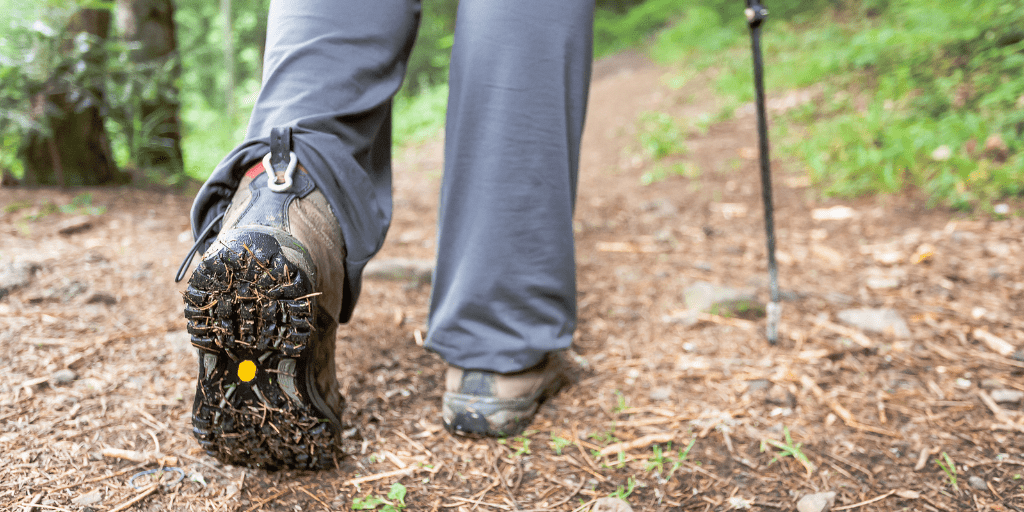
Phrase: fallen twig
x=641 y=442
x=841 y=411
x=136 y=456
x=141 y=496
x=266 y=500
x=866 y=502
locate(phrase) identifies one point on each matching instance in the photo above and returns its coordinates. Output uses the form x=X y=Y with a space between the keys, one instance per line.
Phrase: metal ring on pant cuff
x=179 y=471
x=272 y=183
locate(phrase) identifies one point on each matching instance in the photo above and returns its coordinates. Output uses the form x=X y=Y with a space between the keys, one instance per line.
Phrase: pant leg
x=330 y=71
x=504 y=290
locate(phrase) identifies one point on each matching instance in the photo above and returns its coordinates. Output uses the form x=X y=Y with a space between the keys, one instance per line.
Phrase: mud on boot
x=262 y=308
x=255 y=320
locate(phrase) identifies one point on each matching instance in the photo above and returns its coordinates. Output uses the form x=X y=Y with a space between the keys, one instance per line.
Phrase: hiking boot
x=261 y=308
x=499 y=405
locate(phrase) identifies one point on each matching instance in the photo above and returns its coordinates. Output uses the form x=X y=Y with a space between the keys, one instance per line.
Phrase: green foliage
x=559 y=443
x=38 y=60
x=620 y=405
x=421 y=116
x=949 y=468
x=623 y=493
x=912 y=96
x=396 y=495
x=659 y=135
x=787 y=449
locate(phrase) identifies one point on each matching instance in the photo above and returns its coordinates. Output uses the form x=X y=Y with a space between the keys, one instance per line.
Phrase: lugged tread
x=247 y=304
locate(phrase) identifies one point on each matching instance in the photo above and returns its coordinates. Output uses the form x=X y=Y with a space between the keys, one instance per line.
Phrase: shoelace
x=205 y=235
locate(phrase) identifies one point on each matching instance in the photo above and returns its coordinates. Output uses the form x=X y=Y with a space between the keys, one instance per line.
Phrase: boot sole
x=254 y=318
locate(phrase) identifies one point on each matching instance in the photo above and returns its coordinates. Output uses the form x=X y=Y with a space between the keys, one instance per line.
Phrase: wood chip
x=994 y=343
x=641 y=442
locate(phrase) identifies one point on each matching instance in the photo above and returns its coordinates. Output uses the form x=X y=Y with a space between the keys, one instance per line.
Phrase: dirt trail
x=96 y=357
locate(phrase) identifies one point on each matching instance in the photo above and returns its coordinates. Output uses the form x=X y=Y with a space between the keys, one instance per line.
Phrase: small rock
x=977 y=482
x=1005 y=396
x=818 y=502
x=879 y=320
x=101 y=298
x=65 y=376
x=704 y=296
x=833 y=213
x=400 y=269
x=84 y=500
x=1001 y=209
x=609 y=504
x=16 y=275
x=998 y=249
x=661 y=394
x=75 y=225
x=758 y=385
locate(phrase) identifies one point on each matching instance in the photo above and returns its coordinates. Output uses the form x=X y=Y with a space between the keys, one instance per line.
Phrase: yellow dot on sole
x=246 y=371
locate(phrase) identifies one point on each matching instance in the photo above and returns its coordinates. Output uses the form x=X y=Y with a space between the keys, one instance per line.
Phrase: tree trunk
x=150 y=25
x=77 y=150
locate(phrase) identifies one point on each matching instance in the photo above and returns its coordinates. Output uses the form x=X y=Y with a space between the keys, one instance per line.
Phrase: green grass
x=900 y=79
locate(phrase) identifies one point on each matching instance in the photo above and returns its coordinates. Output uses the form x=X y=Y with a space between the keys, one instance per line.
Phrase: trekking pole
x=756 y=13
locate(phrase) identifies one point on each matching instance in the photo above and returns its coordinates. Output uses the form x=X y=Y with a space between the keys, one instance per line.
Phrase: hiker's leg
x=331 y=69
x=504 y=291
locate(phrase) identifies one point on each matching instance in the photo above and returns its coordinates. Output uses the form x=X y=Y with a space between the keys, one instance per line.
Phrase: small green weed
x=787 y=449
x=17 y=206
x=524 y=443
x=623 y=493
x=659 y=135
x=661 y=171
x=559 y=443
x=681 y=457
x=620 y=405
x=657 y=461
x=396 y=496
x=948 y=467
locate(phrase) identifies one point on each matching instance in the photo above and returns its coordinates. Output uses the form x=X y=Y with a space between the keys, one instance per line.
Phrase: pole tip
x=774 y=314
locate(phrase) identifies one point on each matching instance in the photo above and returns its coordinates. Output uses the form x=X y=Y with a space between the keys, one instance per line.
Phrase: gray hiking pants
x=504 y=288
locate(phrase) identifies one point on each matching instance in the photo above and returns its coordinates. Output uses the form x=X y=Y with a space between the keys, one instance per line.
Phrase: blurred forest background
x=907 y=93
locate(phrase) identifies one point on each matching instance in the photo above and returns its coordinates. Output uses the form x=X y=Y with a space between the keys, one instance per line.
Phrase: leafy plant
x=657 y=461
x=681 y=457
x=559 y=443
x=623 y=493
x=787 y=449
x=948 y=467
x=659 y=135
x=660 y=171
x=620 y=405
x=396 y=496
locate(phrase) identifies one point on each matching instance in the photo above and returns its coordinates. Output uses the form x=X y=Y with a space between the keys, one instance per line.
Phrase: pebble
x=818 y=502
x=75 y=225
x=878 y=320
x=16 y=275
x=609 y=504
x=1004 y=396
x=704 y=296
x=400 y=269
x=84 y=500
x=977 y=482
x=65 y=376
x=101 y=298
x=661 y=394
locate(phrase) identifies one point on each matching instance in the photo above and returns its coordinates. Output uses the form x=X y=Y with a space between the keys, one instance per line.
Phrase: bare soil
x=97 y=365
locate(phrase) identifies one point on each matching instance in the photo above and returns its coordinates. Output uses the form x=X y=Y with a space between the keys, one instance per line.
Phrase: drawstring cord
x=195 y=247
